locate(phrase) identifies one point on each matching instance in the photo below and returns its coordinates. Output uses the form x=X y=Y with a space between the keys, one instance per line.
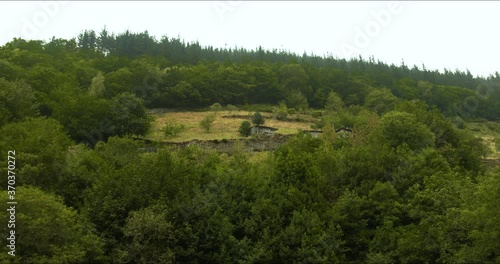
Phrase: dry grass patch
x=225 y=126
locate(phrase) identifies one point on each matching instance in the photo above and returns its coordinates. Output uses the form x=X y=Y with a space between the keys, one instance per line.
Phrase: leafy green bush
x=207 y=122
x=493 y=126
x=231 y=108
x=281 y=112
x=258 y=119
x=244 y=129
x=216 y=107
x=172 y=129
x=317 y=114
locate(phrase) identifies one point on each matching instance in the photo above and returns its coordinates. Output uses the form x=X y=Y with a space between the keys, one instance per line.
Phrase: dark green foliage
x=405 y=185
x=85 y=117
x=129 y=115
x=399 y=128
x=307 y=201
x=244 y=129
x=258 y=119
x=297 y=100
x=170 y=73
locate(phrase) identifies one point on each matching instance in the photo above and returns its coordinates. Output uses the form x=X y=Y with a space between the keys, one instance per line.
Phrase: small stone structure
x=343 y=130
x=314 y=133
x=259 y=130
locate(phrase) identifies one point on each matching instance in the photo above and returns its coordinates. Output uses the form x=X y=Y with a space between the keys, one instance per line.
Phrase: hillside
x=126 y=149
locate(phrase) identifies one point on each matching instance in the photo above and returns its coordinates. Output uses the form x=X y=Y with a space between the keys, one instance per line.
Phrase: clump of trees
x=173 y=74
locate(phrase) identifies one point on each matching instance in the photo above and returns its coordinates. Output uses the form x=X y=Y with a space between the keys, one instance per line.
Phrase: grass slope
x=490 y=133
x=225 y=126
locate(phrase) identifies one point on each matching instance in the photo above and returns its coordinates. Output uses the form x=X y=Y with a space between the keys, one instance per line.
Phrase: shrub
x=245 y=129
x=216 y=107
x=281 y=113
x=317 y=114
x=258 y=119
x=207 y=122
x=231 y=108
x=172 y=129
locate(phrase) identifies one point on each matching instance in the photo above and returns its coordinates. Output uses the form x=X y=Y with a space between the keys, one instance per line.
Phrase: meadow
x=225 y=126
x=489 y=132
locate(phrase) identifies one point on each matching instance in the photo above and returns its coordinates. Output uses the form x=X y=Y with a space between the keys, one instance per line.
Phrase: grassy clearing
x=490 y=133
x=225 y=126
x=227 y=123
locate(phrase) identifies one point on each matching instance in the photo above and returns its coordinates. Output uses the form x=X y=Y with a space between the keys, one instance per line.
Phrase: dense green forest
x=407 y=186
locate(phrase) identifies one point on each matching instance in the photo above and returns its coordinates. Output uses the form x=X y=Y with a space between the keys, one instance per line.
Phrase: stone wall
x=253 y=144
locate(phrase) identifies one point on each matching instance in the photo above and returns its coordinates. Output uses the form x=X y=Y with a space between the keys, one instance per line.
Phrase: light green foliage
x=334 y=102
x=83 y=167
x=216 y=107
x=49 y=232
x=118 y=82
x=281 y=112
x=46 y=78
x=231 y=108
x=481 y=222
x=309 y=239
x=97 y=86
x=9 y=70
x=172 y=129
x=153 y=237
x=380 y=100
x=207 y=122
x=17 y=101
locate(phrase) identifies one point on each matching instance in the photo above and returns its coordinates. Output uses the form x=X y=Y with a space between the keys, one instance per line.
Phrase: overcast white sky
x=463 y=35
